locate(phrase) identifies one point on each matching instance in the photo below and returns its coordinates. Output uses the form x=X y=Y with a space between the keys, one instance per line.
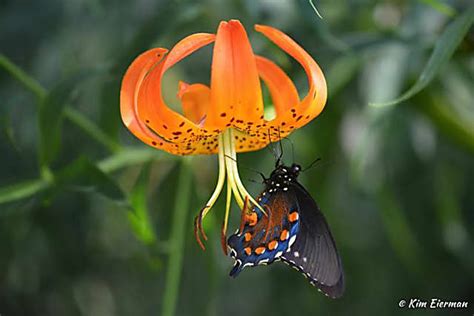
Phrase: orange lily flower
x=227 y=117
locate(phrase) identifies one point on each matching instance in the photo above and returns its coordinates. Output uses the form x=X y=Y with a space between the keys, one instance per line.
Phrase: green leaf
x=442 y=52
x=21 y=190
x=440 y=7
x=139 y=214
x=51 y=114
x=85 y=176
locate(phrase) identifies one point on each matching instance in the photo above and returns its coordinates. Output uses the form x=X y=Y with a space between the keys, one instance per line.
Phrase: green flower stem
x=131 y=156
x=28 y=82
x=22 y=190
x=88 y=126
x=126 y=157
x=177 y=238
x=91 y=129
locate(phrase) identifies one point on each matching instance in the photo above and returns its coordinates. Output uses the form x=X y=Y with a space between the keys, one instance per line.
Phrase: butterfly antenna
x=292 y=147
x=311 y=165
x=272 y=148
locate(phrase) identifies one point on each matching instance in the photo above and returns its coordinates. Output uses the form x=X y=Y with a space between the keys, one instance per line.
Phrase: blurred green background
x=93 y=222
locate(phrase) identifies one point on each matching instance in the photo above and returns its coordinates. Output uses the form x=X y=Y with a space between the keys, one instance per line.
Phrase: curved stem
x=91 y=129
x=124 y=158
x=177 y=238
x=26 y=80
x=84 y=123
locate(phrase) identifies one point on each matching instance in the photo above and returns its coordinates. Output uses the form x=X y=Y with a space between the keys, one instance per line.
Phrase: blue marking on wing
x=237 y=244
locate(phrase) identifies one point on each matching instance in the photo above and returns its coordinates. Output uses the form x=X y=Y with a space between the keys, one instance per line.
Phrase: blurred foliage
x=94 y=223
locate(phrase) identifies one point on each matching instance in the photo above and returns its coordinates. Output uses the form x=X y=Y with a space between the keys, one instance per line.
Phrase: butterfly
x=291 y=229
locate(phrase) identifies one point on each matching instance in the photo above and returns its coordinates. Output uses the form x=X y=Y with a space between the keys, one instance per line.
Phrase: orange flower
x=228 y=116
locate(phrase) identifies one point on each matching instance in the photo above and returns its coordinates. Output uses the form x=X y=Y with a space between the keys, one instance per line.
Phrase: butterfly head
x=289 y=171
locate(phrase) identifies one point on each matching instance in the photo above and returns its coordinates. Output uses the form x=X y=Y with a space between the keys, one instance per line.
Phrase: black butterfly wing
x=314 y=252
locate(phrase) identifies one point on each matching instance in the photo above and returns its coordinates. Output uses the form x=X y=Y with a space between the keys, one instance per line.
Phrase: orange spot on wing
x=260 y=250
x=272 y=244
x=248 y=251
x=251 y=218
x=248 y=236
x=293 y=217
x=284 y=235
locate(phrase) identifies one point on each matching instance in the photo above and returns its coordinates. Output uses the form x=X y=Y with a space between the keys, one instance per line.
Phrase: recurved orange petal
x=184 y=135
x=236 y=97
x=152 y=107
x=282 y=90
x=314 y=101
x=128 y=97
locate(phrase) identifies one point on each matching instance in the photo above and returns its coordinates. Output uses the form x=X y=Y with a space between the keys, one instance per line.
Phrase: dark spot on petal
x=283 y=123
x=147 y=121
x=165 y=127
x=181 y=125
x=177 y=133
x=299 y=118
x=189 y=131
x=153 y=143
x=223 y=114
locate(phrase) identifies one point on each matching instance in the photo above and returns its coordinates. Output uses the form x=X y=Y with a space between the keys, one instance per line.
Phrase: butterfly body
x=291 y=229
